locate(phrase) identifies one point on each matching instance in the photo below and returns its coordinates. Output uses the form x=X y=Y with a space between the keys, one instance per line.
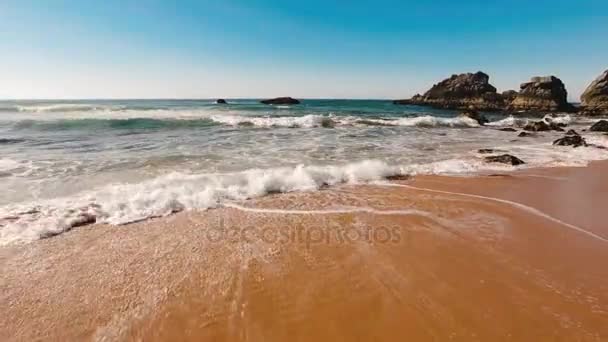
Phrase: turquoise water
x=126 y=160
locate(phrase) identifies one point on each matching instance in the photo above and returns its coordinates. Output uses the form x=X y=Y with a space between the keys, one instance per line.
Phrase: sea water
x=63 y=163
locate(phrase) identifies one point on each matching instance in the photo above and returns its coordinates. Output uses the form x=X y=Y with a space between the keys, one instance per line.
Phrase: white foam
x=65 y=107
x=306 y=121
x=425 y=121
x=7 y=164
x=510 y=121
x=123 y=203
x=351 y=210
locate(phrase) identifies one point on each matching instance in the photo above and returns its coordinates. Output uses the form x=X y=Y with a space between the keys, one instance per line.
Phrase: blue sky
x=313 y=48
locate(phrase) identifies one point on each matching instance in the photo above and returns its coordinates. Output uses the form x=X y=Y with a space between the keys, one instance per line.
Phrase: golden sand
x=516 y=257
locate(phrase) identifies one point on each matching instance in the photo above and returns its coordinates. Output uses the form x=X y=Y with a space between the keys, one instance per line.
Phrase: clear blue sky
x=308 y=48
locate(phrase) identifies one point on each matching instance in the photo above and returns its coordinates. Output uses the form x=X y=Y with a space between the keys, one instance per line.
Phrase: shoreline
x=467 y=258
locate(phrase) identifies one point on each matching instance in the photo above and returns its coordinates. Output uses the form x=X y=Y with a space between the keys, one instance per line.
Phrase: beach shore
x=515 y=256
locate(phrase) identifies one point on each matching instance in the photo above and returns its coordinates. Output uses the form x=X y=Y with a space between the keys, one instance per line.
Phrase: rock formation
x=281 y=101
x=464 y=91
x=542 y=94
x=595 y=98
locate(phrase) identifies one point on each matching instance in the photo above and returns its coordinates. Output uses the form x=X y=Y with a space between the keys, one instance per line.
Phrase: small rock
x=525 y=134
x=537 y=126
x=505 y=159
x=221 y=101
x=488 y=150
x=600 y=126
x=398 y=177
x=508 y=129
x=571 y=140
x=572 y=132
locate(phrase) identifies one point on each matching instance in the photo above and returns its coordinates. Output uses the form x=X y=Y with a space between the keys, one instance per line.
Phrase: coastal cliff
x=464 y=91
x=595 y=98
x=473 y=91
x=546 y=93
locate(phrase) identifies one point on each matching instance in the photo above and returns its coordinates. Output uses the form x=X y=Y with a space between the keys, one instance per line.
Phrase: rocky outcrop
x=541 y=94
x=505 y=159
x=281 y=101
x=220 y=101
x=600 y=126
x=465 y=91
x=571 y=140
x=480 y=118
x=595 y=98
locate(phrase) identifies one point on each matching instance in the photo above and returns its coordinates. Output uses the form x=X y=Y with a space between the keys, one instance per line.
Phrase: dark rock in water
x=594 y=99
x=542 y=94
x=508 y=129
x=11 y=141
x=480 y=118
x=221 y=101
x=505 y=159
x=398 y=177
x=600 y=126
x=540 y=126
x=328 y=123
x=537 y=126
x=488 y=150
x=571 y=140
x=464 y=91
x=572 y=132
x=281 y=101
x=526 y=134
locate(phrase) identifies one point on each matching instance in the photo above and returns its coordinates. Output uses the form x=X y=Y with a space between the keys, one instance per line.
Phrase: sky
x=306 y=49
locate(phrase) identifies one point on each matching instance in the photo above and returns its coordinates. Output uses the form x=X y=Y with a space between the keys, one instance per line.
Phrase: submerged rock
x=594 y=99
x=505 y=159
x=221 y=101
x=281 y=101
x=537 y=126
x=571 y=140
x=540 y=126
x=480 y=118
x=488 y=150
x=600 y=126
x=465 y=91
x=508 y=129
x=546 y=93
x=526 y=134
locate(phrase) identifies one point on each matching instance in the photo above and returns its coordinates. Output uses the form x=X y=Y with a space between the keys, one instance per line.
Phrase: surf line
x=523 y=207
x=366 y=210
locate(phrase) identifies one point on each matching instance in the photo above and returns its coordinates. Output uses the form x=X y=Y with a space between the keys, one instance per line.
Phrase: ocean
x=67 y=163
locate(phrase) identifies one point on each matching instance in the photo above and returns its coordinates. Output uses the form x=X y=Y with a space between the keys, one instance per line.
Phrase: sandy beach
x=515 y=256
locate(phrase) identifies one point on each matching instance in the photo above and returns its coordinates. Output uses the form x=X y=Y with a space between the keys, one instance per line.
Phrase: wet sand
x=497 y=257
